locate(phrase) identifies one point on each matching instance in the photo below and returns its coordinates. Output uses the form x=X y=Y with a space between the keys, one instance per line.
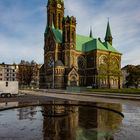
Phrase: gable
x=109 y=47
x=49 y=36
x=73 y=73
x=57 y=34
x=49 y=41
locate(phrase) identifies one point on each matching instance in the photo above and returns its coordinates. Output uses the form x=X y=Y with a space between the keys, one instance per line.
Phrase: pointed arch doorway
x=73 y=78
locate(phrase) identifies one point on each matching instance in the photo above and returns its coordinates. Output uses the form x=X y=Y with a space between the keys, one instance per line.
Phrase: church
x=73 y=60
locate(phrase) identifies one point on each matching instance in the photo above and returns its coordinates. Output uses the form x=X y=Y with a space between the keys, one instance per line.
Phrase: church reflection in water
x=81 y=122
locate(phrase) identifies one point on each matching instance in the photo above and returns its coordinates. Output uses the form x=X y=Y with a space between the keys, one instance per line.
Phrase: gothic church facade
x=76 y=60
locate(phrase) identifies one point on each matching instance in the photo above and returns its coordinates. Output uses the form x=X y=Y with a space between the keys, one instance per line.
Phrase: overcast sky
x=22 y=24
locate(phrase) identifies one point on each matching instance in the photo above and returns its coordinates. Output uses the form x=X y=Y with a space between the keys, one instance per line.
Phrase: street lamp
x=53 y=74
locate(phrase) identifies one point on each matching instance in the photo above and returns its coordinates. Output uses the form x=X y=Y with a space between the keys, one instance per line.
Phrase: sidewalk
x=86 y=96
x=43 y=96
x=95 y=94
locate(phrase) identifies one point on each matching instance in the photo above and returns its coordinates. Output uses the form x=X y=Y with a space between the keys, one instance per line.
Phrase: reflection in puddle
x=26 y=113
x=61 y=122
x=8 y=104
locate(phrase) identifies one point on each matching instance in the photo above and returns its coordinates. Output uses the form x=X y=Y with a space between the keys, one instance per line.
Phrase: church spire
x=108 y=37
x=90 y=35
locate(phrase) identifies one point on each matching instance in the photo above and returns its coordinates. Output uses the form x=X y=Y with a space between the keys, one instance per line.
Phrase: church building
x=71 y=59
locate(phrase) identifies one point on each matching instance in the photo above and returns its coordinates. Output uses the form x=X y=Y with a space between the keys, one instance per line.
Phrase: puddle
x=8 y=104
x=70 y=121
x=61 y=122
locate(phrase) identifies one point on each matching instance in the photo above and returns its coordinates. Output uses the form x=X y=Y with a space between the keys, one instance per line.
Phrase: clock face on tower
x=59 y=5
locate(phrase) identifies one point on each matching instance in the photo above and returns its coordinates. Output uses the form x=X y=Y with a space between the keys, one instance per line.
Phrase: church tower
x=55 y=10
x=69 y=40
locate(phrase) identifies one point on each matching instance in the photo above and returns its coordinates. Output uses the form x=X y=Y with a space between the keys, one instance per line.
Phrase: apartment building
x=8 y=72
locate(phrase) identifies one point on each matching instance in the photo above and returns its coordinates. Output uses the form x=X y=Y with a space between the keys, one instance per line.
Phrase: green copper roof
x=94 y=44
x=84 y=43
x=109 y=47
x=80 y=40
x=57 y=35
x=108 y=31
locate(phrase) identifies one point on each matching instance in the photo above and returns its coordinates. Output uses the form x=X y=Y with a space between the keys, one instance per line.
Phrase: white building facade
x=8 y=72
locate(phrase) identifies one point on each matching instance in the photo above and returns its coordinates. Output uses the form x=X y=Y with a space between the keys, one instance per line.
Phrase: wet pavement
x=68 y=120
x=130 y=128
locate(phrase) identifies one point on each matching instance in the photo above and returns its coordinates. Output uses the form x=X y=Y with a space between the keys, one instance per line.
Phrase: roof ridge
x=84 y=36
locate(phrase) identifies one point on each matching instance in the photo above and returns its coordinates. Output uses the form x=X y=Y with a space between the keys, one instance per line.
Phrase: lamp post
x=53 y=75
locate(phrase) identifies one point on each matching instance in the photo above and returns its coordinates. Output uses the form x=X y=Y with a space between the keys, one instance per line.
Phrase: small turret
x=90 y=35
x=108 y=37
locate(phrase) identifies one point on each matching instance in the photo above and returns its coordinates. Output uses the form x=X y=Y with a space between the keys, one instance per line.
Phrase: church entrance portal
x=73 y=82
x=73 y=78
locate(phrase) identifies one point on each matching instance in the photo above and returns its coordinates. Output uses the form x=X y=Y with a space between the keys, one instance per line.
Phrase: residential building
x=8 y=72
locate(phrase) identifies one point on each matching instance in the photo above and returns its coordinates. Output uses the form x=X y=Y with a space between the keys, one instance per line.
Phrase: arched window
x=68 y=35
x=81 y=63
x=114 y=62
x=50 y=61
x=72 y=60
x=73 y=36
x=67 y=59
x=53 y=18
x=103 y=66
x=102 y=59
x=59 y=20
x=114 y=65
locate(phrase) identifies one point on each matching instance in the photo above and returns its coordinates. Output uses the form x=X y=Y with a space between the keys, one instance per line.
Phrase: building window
x=67 y=60
x=73 y=36
x=81 y=62
x=59 y=21
x=6 y=84
x=13 y=74
x=13 y=79
x=103 y=59
x=53 y=19
x=7 y=74
x=0 y=79
x=7 y=70
x=67 y=35
x=50 y=61
x=7 y=79
x=13 y=70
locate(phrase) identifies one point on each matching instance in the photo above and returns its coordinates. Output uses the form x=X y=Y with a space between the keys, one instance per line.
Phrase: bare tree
x=27 y=73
